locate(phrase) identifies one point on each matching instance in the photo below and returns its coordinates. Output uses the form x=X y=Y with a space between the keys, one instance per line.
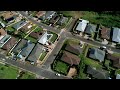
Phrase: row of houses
x=110 y=34
x=51 y=16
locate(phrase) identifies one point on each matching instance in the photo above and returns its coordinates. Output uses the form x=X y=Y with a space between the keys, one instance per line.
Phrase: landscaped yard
x=38 y=29
x=61 y=67
x=31 y=39
x=10 y=28
x=8 y=72
x=116 y=54
x=42 y=56
x=54 y=37
x=92 y=63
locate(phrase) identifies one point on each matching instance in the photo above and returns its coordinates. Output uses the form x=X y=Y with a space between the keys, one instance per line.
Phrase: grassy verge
x=38 y=29
x=43 y=56
x=116 y=54
x=28 y=75
x=8 y=72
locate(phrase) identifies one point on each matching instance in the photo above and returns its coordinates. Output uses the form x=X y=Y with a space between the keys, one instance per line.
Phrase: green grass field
x=38 y=29
x=28 y=75
x=54 y=37
x=61 y=67
x=31 y=39
x=8 y=72
x=43 y=56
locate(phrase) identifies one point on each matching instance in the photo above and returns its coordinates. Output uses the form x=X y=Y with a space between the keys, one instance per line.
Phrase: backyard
x=61 y=67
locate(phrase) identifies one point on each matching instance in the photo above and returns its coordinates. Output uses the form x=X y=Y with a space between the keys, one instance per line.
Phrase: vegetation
x=38 y=29
x=116 y=54
x=61 y=67
x=31 y=39
x=8 y=72
x=42 y=56
x=54 y=37
x=27 y=75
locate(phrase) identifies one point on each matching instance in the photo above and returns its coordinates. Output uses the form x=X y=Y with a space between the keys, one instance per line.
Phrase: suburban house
x=74 y=48
x=40 y=13
x=82 y=25
x=55 y=19
x=116 y=35
x=9 y=16
x=4 y=40
x=62 y=20
x=70 y=58
x=2 y=33
x=26 y=49
x=44 y=38
x=26 y=28
x=19 y=46
x=19 y=24
x=8 y=45
x=115 y=60
x=35 y=54
x=96 y=54
x=48 y=15
x=90 y=29
x=105 y=33
x=118 y=76
x=97 y=74
x=36 y=35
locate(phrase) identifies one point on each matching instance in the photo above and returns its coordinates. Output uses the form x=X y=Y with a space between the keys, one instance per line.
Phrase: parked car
x=57 y=74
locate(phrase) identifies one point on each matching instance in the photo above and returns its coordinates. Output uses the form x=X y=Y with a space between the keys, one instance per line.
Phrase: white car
x=57 y=74
x=104 y=47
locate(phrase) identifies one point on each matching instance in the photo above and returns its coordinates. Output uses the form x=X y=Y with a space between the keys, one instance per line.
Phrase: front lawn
x=10 y=28
x=38 y=29
x=28 y=75
x=42 y=56
x=8 y=72
x=61 y=67
x=116 y=54
x=54 y=37
x=31 y=39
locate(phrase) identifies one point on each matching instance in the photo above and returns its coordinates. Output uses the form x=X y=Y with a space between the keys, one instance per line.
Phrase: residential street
x=44 y=70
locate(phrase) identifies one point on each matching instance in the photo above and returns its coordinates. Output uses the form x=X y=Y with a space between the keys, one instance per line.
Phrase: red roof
x=70 y=58
x=7 y=46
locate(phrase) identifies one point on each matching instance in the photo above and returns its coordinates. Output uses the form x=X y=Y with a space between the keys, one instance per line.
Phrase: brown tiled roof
x=36 y=34
x=40 y=13
x=105 y=33
x=25 y=28
x=8 y=14
x=74 y=48
x=115 y=60
x=70 y=58
x=7 y=46
x=2 y=32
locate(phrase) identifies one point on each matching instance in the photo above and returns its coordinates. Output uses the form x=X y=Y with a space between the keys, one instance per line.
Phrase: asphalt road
x=44 y=71
x=31 y=68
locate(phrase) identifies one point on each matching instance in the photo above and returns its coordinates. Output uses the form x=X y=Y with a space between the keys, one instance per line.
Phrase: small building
x=116 y=35
x=62 y=20
x=97 y=54
x=70 y=58
x=19 y=24
x=97 y=74
x=35 y=54
x=115 y=60
x=90 y=29
x=105 y=33
x=82 y=25
x=48 y=15
x=2 y=33
x=40 y=13
x=4 y=40
x=19 y=46
x=74 y=48
x=8 y=45
x=27 y=49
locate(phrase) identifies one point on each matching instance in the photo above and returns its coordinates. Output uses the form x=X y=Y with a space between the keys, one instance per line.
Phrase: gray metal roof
x=49 y=14
x=116 y=35
x=97 y=54
x=62 y=20
x=27 y=49
x=34 y=55
x=19 y=24
x=43 y=39
x=19 y=46
x=90 y=28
